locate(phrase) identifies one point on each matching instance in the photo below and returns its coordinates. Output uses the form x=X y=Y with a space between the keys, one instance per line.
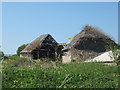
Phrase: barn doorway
x=46 y=51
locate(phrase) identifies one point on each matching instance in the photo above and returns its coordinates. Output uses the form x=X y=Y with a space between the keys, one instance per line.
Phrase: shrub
x=21 y=48
x=1 y=55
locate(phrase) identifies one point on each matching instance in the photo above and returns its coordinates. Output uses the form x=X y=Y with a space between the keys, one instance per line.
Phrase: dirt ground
x=114 y=64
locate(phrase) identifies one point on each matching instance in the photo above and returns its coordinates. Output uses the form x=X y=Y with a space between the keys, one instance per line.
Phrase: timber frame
x=44 y=46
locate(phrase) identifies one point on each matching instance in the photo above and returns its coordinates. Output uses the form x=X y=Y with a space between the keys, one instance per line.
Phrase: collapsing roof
x=37 y=43
x=91 y=38
x=44 y=46
x=89 y=43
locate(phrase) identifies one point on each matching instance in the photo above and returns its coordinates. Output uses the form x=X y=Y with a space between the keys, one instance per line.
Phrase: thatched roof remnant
x=37 y=43
x=90 y=38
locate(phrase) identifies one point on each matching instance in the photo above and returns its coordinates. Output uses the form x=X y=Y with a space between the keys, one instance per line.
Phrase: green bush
x=14 y=57
x=1 y=55
x=21 y=48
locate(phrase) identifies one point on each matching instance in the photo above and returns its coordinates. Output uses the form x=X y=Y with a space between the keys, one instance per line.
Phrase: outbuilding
x=87 y=44
x=45 y=46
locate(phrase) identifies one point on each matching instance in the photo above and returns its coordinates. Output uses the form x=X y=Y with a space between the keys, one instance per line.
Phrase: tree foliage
x=1 y=55
x=116 y=52
x=21 y=48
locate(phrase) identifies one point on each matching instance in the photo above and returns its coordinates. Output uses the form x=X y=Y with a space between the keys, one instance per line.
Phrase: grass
x=24 y=73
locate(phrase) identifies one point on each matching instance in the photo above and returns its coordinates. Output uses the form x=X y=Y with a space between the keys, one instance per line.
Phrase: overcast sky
x=24 y=22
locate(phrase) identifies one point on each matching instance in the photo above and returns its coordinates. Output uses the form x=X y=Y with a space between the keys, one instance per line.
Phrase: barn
x=87 y=44
x=45 y=46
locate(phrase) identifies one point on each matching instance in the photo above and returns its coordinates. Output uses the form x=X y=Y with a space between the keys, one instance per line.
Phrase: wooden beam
x=41 y=50
x=48 y=52
x=43 y=44
x=55 y=52
x=38 y=54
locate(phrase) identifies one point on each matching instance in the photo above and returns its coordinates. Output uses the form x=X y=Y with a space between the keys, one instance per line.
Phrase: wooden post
x=27 y=54
x=31 y=57
x=48 y=52
x=38 y=54
x=55 y=53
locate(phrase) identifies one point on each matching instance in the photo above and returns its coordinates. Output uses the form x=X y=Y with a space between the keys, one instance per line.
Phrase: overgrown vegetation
x=1 y=55
x=116 y=56
x=20 y=48
x=115 y=53
x=24 y=73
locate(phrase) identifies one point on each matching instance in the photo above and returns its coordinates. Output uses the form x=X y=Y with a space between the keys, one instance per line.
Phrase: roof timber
x=43 y=40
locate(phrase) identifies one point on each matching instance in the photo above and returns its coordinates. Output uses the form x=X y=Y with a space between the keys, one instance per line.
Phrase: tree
x=116 y=52
x=1 y=55
x=116 y=55
x=21 y=48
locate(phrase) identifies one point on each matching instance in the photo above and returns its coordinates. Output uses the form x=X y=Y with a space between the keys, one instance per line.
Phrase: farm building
x=87 y=44
x=44 y=46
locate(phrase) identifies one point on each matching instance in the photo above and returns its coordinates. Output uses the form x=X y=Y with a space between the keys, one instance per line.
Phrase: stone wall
x=66 y=58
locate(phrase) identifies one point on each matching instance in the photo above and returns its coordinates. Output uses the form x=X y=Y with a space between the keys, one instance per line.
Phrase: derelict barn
x=87 y=44
x=44 y=46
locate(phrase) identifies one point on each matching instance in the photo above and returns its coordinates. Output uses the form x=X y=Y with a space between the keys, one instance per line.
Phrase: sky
x=22 y=22
x=0 y=26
